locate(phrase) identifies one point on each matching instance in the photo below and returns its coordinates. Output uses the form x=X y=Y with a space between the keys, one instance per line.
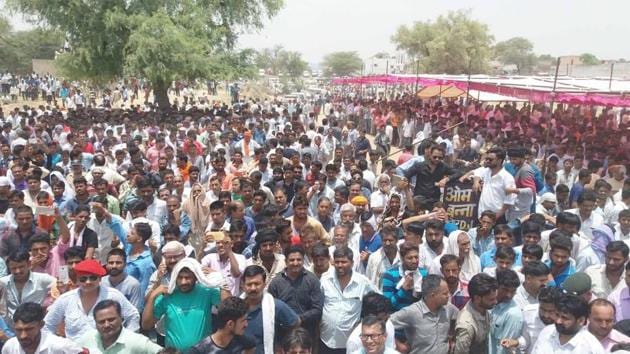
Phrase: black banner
x=461 y=203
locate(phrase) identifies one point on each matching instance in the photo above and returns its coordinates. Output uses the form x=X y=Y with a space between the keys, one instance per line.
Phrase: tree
x=270 y=59
x=381 y=55
x=342 y=64
x=517 y=51
x=294 y=65
x=453 y=44
x=161 y=40
x=277 y=61
x=17 y=49
x=589 y=59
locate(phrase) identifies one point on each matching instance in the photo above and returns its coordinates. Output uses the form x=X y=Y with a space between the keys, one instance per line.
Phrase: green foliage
x=453 y=44
x=161 y=40
x=589 y=59
x=342 y=64
x=277 y=60
x=17 y=49
x=517 y=51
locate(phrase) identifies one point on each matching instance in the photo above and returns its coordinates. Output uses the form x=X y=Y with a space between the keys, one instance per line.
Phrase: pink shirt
x=621 y=299
x=55 y=260
x=213 y=262
x=614 y=337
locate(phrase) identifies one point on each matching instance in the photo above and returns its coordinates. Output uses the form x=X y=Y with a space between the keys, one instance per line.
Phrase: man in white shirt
x=622 y=229
x=156 y=208
x=435 y=244
x=535 y=318
x=586 y=204
x=495 y=182
x=610 y=276
x=68 y=308
x=613 y=215
x=536 y=276
x=567 y=175
x=383 y=259
x=29 y=337
x=23 y=285
x=343 y=291
x=568 y=335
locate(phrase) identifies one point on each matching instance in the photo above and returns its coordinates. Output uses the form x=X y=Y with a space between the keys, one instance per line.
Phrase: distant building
x=380 y=65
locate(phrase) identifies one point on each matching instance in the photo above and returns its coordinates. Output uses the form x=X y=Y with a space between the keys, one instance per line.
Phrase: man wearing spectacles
x=431 y=175
x=373 y=334
x=74 y=308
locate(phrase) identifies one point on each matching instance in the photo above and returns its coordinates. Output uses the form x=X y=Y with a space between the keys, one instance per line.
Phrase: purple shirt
x=621 y=299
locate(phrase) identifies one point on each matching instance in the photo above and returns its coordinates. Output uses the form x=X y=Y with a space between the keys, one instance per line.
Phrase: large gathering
x=361 y=217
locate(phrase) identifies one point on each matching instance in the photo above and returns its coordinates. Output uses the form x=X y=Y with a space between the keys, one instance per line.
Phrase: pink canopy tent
x=534 y=94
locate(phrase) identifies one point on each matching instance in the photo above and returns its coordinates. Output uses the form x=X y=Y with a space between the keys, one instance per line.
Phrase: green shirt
x=128 y=342
x=187 y=316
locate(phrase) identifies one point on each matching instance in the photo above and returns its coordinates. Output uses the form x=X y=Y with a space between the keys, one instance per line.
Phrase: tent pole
x=468 y=83
x=553 y=101
x=417 y=73
x=362 y=73
x=386 y=77
x=612 y=67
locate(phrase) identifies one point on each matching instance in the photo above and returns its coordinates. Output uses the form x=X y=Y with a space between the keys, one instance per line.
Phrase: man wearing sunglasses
x=431 y=175
x=74 y=308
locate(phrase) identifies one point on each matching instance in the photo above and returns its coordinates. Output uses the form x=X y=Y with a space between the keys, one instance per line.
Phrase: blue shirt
x=487 y=258
x=399 y=298
x=141 y=267
x=285 y=318
x=481 y=245
x=507 y=322
x=568 y=270
x=547 y=189
x=372 y=245
x=4 y=328
x=185 y=224
x=62 y=205
x=576 y=192
x=130 y=287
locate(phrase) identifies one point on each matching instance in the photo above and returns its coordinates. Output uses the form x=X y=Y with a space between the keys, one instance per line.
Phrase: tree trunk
x=160 y=91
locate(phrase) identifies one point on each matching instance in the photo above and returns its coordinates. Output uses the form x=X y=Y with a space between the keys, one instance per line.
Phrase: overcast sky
x=556 y=27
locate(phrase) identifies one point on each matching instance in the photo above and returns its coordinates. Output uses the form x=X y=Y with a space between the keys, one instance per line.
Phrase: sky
x=557 y=27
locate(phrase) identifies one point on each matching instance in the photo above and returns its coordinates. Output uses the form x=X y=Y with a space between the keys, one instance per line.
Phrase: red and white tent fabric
x=532 y=88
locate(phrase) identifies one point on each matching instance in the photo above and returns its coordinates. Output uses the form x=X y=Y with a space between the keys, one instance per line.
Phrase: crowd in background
x=296 y=226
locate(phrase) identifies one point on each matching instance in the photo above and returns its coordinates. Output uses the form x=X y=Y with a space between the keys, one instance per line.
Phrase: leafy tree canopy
x=452 y=44
x=518 y=51
x=342 y=64
x=161 y=40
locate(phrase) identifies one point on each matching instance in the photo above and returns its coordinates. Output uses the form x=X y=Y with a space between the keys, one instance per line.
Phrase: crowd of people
x=271 y=226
